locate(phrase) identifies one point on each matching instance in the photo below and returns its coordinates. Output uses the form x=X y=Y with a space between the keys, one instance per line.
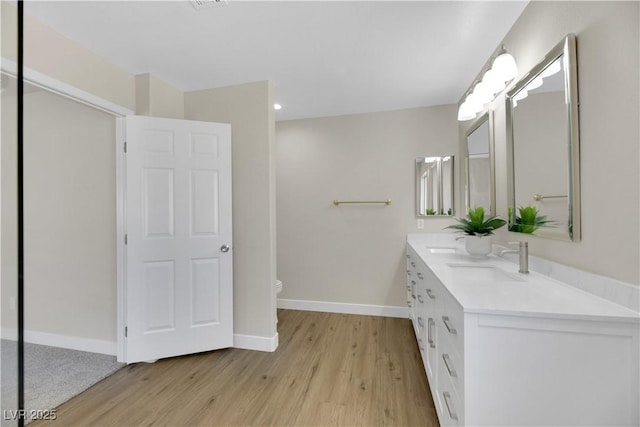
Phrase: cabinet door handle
x=450 y=408
x=430 y=323
x=408 y=272
x=447 y=323
x=420 y=298
x=432 y=296
x=413 y=264
x=420 y=276
x=408 y=256
x=420 y=344
x=420 y=322
x=449 y=365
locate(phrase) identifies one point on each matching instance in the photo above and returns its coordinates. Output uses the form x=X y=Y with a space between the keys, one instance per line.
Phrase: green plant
x=430 y=212
x=475 y=224
x=528 y=221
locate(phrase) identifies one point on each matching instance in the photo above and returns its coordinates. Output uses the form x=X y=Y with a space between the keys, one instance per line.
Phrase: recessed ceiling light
x=277 y=107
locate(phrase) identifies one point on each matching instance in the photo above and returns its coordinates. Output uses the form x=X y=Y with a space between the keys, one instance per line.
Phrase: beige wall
x=248 y=108
x=608 y=68
x=353 y=254
x=51 y=53
x=69 y=217
x=157 y=98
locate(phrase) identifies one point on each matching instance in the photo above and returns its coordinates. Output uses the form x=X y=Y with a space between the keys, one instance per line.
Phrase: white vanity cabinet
x=529 y=354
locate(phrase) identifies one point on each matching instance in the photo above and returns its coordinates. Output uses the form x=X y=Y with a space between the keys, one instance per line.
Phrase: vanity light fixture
x=277 y=107
x=493 y=81
x=466 y=112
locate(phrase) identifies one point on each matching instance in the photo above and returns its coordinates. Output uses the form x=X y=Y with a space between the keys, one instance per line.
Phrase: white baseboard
x=63 y=341
x=247 y=342
x=345 y=308
x=252 y=342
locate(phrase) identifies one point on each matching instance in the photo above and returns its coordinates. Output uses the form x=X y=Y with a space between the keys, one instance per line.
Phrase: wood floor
x=329 y=370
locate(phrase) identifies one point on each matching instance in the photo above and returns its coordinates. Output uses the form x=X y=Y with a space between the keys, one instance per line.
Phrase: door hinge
x=126 y=238
x=126 y=331
x=125 y=146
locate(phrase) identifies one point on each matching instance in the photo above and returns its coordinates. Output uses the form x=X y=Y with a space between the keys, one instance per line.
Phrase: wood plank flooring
x=329 y=370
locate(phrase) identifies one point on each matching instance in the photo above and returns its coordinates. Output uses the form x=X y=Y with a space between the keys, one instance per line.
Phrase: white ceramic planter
x=479 y=246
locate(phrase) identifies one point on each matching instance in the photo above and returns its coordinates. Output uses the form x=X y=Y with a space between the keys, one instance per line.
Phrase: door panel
x=178 y=282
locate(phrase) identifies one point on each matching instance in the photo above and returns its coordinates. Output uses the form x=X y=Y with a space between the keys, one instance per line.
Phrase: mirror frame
x=567 y=50
x=488 y=118
x=450 y=176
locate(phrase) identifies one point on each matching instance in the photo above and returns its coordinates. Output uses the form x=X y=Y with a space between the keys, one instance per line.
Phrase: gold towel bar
x=340 y=202
x=538 y=197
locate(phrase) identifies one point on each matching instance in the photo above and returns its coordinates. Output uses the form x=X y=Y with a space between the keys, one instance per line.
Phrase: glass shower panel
x=8 y=252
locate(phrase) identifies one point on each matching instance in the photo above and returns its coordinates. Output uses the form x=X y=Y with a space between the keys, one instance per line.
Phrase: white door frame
x=121 y=265
x=36 y=78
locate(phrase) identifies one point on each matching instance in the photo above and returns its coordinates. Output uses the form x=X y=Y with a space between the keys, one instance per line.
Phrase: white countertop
x=530 y=294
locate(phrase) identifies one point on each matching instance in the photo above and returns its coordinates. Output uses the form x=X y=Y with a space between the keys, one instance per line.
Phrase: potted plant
x=478 y=230
x=528 y=221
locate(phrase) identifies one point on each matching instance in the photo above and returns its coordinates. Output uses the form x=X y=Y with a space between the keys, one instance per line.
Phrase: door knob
x=224 y=248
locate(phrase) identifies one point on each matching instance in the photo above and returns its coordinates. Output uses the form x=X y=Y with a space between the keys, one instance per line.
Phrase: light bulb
x=277 y=107
x=483 y=93
x=465 y=112
x=493 y=82
x=474 y=102
x=505 y=66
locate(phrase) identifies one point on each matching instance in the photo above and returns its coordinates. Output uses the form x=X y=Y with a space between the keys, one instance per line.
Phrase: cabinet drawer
x=451 y=323
x=431 y=287
x=450 y=405
x=453 y=364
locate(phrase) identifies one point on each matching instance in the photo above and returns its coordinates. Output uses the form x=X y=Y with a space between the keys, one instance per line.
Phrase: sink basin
x=482 y=273
x=441 y=250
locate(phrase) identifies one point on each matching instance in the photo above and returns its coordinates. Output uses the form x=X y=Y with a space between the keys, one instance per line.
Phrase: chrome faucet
x=523 y=250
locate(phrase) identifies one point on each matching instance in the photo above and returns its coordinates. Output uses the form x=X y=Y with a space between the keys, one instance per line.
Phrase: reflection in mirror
x=544 y=169
x=8 y=256
x=479 y=166
x=434 y=186
x=56 y=154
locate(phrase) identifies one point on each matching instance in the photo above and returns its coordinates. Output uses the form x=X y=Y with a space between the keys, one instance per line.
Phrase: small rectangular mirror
x=434 y=186
x=479 y=166
x=543 y=144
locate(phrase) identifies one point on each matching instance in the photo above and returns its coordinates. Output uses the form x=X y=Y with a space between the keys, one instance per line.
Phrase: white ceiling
x=324 y=58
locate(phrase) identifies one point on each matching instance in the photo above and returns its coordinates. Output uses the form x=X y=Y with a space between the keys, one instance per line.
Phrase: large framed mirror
x=479 y=165
x=544 y=148
x=434 y=186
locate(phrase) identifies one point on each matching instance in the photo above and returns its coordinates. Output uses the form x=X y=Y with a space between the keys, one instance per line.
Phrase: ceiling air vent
x=203 y=4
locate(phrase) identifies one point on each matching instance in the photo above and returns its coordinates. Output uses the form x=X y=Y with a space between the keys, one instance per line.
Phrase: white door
x=178 y=280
